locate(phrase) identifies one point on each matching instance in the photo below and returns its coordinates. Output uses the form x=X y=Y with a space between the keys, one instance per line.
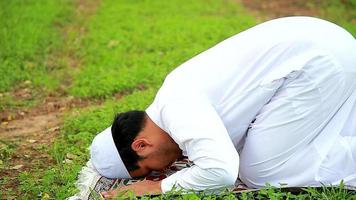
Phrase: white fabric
x=87 y=179
x=105 y=157
x=285 y=83
x=301 y=120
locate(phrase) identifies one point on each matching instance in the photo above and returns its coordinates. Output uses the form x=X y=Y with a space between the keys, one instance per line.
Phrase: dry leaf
x=67 y=161
x=70 y=156
x=17 y=167
x=113 y=43
x=28 y=82
x=56 y=128
x=4 y=123
x=45 y=196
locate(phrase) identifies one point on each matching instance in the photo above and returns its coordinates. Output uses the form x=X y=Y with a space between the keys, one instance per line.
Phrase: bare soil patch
x=29 y=135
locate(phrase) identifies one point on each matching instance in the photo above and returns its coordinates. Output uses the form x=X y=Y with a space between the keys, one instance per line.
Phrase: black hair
x=124 y=129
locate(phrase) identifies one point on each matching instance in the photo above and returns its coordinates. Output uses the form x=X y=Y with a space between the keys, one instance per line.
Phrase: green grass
x=128 y=47
x=27 y=37
x=132 y=43
x=31 y=42
x=269 y=192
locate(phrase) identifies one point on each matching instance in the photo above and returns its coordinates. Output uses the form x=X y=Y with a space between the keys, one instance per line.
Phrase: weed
x=6 y=150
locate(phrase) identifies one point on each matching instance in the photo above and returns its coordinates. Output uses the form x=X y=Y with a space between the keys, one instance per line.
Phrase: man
x=274 y=104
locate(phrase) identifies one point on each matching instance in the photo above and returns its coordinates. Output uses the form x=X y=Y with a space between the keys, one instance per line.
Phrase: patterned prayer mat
x=105 y=184
x=92 y=184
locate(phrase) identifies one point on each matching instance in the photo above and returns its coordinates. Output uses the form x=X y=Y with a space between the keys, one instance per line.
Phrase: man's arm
x=199 y=131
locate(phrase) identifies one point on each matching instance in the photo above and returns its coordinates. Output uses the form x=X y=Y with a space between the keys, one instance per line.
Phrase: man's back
x=241 y=74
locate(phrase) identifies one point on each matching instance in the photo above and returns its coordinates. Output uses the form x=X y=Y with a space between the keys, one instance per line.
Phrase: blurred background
x=67 y=66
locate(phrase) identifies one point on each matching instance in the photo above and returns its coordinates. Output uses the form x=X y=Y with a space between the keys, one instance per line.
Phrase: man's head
x=125 y=128
x=142 y=145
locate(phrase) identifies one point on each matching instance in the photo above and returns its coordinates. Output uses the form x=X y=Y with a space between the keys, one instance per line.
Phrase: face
x=157 y=149
x=160 y=158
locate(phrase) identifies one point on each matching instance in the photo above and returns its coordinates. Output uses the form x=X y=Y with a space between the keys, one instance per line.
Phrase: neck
x=153 y=127
x=164 y=137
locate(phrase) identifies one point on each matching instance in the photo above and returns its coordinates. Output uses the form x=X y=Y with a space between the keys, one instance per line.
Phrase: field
x=67 y=66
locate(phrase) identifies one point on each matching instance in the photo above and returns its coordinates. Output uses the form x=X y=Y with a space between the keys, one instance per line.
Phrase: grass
x=269 y=192
x=30 y=38
x=78 y=131
x=128 y=47
x=27 y=37
x=138 y=42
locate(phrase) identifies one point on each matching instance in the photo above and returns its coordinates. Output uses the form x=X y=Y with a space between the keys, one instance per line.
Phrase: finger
x=106 y=194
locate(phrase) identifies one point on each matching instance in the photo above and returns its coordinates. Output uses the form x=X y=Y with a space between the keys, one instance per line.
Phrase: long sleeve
x=199 y=131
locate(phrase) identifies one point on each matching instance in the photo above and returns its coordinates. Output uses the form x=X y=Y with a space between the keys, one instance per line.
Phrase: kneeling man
x=274 y=104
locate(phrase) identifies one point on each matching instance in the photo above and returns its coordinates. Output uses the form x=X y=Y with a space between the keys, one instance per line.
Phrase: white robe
x=282 y=95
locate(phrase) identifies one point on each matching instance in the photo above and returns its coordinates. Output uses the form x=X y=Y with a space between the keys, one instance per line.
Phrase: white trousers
x=306 y=134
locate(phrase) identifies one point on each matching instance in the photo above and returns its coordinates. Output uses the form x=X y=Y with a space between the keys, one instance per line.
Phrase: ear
x=140 y=145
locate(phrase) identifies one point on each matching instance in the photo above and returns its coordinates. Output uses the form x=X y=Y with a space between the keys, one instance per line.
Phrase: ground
x=37 y=119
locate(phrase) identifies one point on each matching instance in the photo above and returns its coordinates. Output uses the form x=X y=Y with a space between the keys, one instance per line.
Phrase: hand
x=139 y=189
